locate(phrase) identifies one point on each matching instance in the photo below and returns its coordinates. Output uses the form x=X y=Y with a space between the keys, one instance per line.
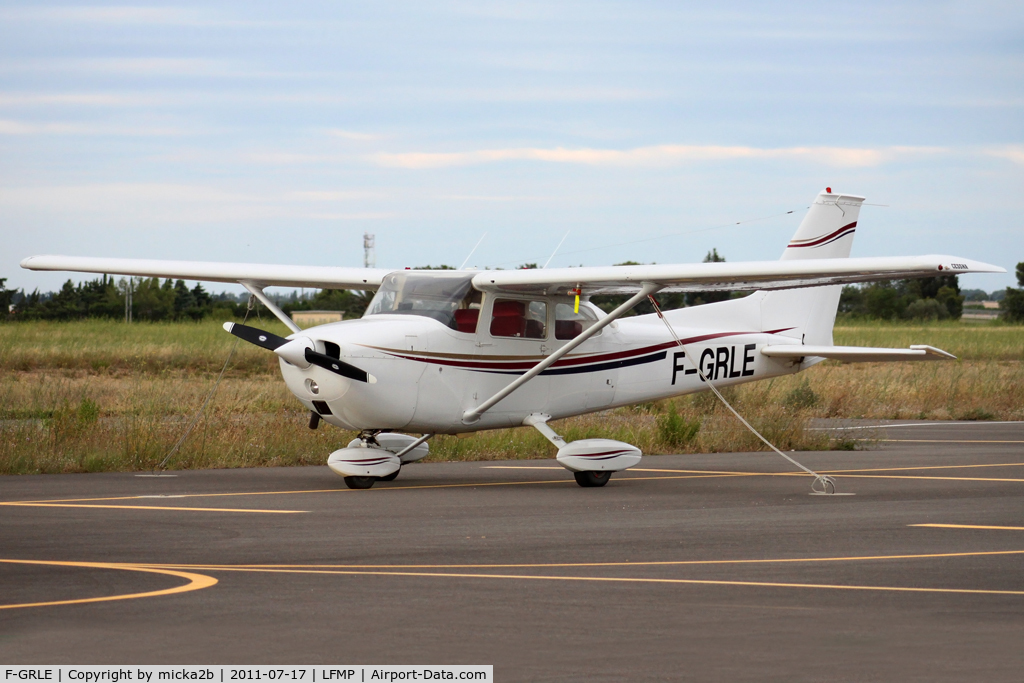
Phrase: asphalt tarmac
x=696 y=567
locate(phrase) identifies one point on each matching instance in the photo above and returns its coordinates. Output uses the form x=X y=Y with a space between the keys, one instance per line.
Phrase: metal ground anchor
x=823 y=485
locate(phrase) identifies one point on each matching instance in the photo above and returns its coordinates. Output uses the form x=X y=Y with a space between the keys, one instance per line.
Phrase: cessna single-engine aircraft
x=450 y=352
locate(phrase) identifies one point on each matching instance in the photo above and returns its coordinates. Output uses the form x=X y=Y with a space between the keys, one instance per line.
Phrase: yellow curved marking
x=195 y=582
x=859 y=558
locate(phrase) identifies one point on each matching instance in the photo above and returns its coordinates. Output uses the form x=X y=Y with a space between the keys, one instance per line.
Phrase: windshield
x=435 y=295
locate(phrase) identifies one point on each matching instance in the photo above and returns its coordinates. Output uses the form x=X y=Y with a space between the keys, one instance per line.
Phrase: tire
x=592 y=479
x=360 y=482
x=392 y=476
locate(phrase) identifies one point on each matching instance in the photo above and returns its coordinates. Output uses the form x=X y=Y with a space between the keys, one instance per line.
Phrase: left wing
x=739 y=276
x=257 y=274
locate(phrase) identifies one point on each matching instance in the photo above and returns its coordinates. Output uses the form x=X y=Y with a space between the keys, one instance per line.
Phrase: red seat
x=508 y=326
x=508 y=319
x=466 y=319
x=568 y=329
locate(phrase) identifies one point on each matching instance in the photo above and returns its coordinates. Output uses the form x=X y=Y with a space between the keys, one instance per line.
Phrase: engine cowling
x=598 y=455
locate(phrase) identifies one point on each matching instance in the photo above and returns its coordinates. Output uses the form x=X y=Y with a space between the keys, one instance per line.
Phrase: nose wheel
x=592 y=479
x=360 y=482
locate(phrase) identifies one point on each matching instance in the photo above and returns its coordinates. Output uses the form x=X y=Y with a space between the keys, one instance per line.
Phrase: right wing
x=258 y=274
x=734 y=276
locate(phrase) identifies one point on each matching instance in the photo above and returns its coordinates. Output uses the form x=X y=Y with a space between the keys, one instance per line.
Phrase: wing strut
x=648 y=288
x=265 y=300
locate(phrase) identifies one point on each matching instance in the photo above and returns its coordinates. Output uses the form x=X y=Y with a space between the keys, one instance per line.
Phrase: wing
x=739 y=276
x=258 y=274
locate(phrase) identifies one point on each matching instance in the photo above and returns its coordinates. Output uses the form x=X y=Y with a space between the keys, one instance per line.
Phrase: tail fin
x=826 y=232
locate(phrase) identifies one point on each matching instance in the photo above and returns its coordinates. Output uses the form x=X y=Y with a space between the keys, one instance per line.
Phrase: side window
x=569 y=324
x=526 y=319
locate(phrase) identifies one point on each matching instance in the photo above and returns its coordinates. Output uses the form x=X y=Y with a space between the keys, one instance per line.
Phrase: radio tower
x=369 y=257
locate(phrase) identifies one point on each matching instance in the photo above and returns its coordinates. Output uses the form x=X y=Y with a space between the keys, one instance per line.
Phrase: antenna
x=369 y=253
x=556 y=250
x=470 y=255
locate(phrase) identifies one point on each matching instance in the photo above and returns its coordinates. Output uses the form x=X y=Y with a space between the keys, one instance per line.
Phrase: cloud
x=168 y=203
x=657 y=155
x=352 y=135
x=332 y=196
x=358 y=216
x=11 y=127
x=1014 y=153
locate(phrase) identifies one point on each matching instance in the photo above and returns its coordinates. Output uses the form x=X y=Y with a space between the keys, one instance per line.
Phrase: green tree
x=1012 y=305
x=6 y=299
x=698 y=298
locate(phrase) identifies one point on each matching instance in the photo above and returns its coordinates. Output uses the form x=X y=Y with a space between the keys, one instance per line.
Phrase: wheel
x=589 y=479
x=360 y=482
x=392 y=476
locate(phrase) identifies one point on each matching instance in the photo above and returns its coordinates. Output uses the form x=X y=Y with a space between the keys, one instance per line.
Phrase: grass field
x=98 y=395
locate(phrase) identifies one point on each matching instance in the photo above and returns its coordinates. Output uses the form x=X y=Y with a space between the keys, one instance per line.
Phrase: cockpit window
x=436 y=295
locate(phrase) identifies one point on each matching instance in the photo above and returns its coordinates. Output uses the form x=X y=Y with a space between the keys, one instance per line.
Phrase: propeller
x=266 y=340
x=299 y=352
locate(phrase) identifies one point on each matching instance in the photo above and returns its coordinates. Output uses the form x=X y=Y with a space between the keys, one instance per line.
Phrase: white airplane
x=452 y=352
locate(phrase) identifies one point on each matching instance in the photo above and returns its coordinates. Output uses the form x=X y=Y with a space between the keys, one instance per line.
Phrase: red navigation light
x=828 y=189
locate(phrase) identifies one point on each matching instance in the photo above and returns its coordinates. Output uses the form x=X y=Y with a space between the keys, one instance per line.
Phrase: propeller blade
x=339 y=367
x=255 y=336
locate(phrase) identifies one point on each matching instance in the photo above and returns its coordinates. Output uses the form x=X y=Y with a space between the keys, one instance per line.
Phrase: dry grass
x=93 y=396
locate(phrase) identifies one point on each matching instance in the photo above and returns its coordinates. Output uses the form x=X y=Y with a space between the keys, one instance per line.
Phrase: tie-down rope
x=821 y=483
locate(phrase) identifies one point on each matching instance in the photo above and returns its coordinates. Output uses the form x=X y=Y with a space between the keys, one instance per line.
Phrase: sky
x=645 y=131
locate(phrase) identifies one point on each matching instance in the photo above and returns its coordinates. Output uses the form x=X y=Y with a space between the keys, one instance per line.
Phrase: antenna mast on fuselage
x=369 y=255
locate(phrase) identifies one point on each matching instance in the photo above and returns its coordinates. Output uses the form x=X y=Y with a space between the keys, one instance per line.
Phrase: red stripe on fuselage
x=568 y=362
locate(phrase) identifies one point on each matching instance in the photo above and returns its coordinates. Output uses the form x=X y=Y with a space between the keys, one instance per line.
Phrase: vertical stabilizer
x=825 y=232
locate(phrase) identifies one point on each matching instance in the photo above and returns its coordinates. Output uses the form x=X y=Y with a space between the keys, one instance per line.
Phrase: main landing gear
x=591 y=461
x=376 y=456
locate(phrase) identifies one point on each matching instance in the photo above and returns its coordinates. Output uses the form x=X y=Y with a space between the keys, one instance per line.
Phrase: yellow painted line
x=520 y=467
x=659 y=563
x=683 y=474
x=608 y=579
x=935 y=441
x=195 y=582
x=149 y=507
x=567 y=480
x=909 y=476
x=928 y=467
x=970 y=526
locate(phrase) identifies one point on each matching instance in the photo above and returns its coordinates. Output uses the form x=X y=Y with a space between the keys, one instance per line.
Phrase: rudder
x=826 y=231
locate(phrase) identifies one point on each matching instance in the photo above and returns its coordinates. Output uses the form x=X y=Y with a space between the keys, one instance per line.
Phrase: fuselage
x=429 y=372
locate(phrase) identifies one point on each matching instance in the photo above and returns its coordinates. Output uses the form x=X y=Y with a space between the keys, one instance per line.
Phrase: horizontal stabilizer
x=856 y=354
